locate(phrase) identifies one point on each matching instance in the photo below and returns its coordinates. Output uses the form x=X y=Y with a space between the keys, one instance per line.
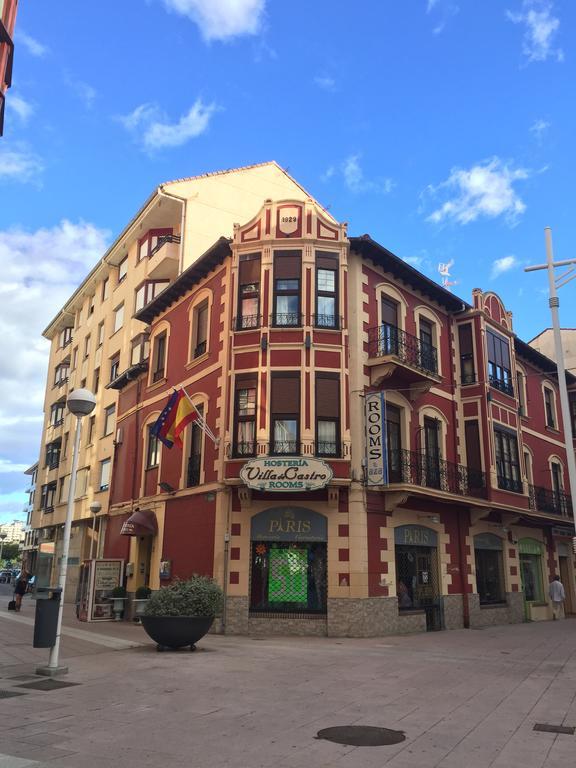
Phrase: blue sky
x=444 y=128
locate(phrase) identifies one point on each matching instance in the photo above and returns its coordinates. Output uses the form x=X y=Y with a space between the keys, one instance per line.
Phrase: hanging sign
x=294 y=474
x=376 y=442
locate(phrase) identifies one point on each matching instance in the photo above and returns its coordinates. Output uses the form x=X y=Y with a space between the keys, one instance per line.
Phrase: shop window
x=507 y=463
x=118 y=318
x=417 y=583
x=499 y=363
x=109 y=420
x=249 y=292
x=488 y=553
x=394 y=440
x=105 y=474
x=531 y=552
x=285 y=414
x=195 y=453
x=123 y=269
x=200 y=329
x=467 y=368
x=326 y=291
x=152 y=449
x=159 y=357
x=287 y=283
x=550 y=408
x=245 y=418
x=327 y=414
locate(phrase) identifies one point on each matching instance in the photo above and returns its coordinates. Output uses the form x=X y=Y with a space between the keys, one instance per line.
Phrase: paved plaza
x=464 y=699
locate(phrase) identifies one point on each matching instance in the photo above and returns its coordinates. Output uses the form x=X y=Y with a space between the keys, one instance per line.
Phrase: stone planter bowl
x=176 y=631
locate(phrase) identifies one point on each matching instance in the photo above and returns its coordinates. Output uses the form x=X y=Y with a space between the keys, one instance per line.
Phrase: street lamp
x=2 y=537
x=554 y=302
x=95 y=507
x=80 y=402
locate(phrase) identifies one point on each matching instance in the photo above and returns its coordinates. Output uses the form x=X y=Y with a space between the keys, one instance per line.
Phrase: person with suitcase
x=20 y=590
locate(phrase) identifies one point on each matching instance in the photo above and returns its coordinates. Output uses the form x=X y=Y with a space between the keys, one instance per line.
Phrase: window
x=249 y=296
x=195 y=455
x=140 y=349
x=114 y=367
x=394 y=438
x=159 y=357
x=499 y=363
x=148 y=291
x=245 y=410
x=327 y=414
x=550 y=408
x=326 y=291
x=48 y=493
x=105 y=474
x=86 y=346
x=118 y=318
x=388 y=337
x=105 y=288
x=528 y=466
x=152 y=450
x=109 y=420
x=285 y=414
x=200 y=330
x=53 y=454
x=432 y=478
x=91 y=305
x=96 y=384
x=507 y=464
x=63 y=489
x=572 y=405
x=65 y=447
x=520 y=388
x=467 y=371
x=489 y=568
x=287 y=271
x=91 y=425
x=123 y=269
x=74 y=358
x=100 y=336
x=556 y=470
x=152 y=241
x=61 y=375
x=65 y=337
x=82 y=479
x=428 y=359
x=57 y=413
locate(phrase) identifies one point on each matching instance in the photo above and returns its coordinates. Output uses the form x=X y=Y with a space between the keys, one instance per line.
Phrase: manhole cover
x=554 y=728
x=46 y=685
x=10 y=694
x=361 y=735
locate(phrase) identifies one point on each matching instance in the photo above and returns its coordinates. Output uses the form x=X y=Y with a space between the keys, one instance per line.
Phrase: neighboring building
x=14 y=531
x=280 y=336
x=544 y=343
x=30 y=545
x=7 y=22
x=96 y=336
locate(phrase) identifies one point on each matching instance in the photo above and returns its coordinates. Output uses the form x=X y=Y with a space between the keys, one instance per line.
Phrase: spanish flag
x=177 y=414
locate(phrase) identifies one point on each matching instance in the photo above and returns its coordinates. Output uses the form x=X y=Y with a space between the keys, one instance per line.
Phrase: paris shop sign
x=293 y=474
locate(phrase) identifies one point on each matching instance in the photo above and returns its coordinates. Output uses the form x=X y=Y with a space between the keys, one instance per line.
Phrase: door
x=432 y=452
x=417 y=583
x=567 y=581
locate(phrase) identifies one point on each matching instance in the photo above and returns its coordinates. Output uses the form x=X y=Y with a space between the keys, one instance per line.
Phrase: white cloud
x=505 y=264
x=30 y=44
x=41 y=269
x=356 y=181
x=486 y=190
x=154 y=131
x=85 y=92
x=18 y=163
x=541 y=29
x=222 y=19
x=20 y=106
x=539 y=128
x=444 y=9
x=326 y=83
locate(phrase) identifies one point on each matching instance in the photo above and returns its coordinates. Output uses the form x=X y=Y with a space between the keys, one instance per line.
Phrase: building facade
x=7 y=21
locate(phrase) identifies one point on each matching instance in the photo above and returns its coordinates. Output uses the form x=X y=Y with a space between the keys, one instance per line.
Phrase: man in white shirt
x=557 y=595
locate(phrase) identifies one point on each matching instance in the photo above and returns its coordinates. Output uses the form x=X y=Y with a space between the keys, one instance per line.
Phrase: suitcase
x=12 y=605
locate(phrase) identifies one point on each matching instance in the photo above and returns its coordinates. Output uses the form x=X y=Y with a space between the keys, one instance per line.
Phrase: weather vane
x=444 y=270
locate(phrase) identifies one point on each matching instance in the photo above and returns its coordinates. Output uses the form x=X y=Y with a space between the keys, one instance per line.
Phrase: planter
x=176 y=631
x=139 y=608
x=118 y=607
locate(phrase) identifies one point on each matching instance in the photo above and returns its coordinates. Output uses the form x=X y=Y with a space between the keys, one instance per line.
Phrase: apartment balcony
x=398 y=356
x=164 y=259
x=550 y=502
x=419 y=469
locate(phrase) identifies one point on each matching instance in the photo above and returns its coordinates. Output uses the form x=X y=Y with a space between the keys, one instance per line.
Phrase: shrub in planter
x=182 y=613
x=119 y=592
x=142 y=593
x=141 y=597
x=118 y=599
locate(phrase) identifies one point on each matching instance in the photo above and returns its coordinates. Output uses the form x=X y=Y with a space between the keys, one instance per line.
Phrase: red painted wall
x=189 y=536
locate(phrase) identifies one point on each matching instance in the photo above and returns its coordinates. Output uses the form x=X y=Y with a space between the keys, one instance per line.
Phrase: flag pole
x=203 y=425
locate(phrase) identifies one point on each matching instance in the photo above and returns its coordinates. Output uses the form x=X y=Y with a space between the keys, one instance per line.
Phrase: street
x=464 y=699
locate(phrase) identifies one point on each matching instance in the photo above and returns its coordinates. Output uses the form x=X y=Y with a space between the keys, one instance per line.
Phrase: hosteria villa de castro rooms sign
x=298 y=473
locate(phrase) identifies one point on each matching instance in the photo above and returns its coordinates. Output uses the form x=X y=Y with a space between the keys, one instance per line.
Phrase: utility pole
x=554 y=302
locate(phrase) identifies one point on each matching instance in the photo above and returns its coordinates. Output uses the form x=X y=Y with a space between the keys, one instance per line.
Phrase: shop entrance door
x=567 y=581
x=417 y=583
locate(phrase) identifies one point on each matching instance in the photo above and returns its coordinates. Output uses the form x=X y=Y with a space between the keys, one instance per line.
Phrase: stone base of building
x=362 y=617
x=453 y=612
x=512 y=612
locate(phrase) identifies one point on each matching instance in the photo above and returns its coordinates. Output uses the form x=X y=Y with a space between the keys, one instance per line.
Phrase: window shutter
x=285 y=394
x=465 y=338
x=287 y=265
x=327 y=397
x=389 y=312
x=249 y=268
x=325 y=260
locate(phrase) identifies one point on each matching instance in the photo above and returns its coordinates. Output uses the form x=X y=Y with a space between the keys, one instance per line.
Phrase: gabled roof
x=370 y=249
x=188 y=279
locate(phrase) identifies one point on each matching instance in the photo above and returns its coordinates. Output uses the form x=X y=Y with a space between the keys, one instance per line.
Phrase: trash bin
x=46 y=618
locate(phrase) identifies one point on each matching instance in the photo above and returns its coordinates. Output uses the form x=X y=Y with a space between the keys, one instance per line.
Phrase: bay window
x=507 y=463
x=249 y=292
x=245 y=421
x=285 y=414
x=326 y=290
x=467 y=371
x=327 y=414
x=287 y=280
x=148 y=291
x=499 y=371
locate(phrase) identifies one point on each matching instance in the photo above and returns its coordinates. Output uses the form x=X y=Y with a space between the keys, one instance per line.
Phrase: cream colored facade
x=99 y=319
x=544 y=343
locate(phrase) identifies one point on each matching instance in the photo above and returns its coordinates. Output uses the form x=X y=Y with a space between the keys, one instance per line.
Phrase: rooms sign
x=294 y=474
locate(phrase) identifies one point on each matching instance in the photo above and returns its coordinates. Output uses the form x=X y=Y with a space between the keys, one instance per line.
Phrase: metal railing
x=502 y=385
x=323 y=449
x=243 y=450
x=329 y=322
x=162 y=240
x=553 y=502
x=389 y=340
x=286 y=319
x=510 y=484
x=246 y=322
x=193 y=474
x=429 y=471
x=328 y=449
x=284 y=447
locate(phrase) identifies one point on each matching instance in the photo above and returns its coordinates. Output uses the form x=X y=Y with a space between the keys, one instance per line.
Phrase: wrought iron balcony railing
x=549 y=501
x=162 y=240
x=193 y=474
x=243 y=450
x=428 y=471
x=286 y=320
x=390 y=340
x=246 y=322
x=510 y=484
x=502 y=384
x=324 y=449
x=329 y=322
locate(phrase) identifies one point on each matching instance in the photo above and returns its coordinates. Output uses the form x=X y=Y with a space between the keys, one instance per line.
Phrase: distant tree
x=10 y=552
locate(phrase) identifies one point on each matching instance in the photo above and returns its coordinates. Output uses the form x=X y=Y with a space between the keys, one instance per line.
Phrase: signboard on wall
x=288 y=524
x=106 y=575
x=297 y=473
x=376 y=439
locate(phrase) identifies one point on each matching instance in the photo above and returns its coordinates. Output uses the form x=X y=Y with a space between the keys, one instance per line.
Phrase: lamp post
x=554 y=302
x=80 y=403
x=2 y=537
x=95 y=507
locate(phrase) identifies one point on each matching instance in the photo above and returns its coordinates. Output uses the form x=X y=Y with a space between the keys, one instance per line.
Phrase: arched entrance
x=417 y=583
x=288 y=561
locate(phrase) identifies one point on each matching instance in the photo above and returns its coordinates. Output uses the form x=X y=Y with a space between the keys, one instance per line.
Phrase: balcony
x=327 y=322
x=510 y=484
x=412 y=468
x=322 y=449
x=503 y=385
x=164 y=258
x=246 y=322
x=286 y=320
x=394 y=353
x=550 y=502
x=284 y=448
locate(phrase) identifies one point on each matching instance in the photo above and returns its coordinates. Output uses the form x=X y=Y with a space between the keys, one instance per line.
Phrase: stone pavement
x=464 y=699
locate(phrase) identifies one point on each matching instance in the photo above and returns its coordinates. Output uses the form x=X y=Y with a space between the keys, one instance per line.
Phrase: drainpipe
x=183 y=201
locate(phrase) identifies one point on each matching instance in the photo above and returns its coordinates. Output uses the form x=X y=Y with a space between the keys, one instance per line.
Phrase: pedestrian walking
x=557 y=595
x=20 y=589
